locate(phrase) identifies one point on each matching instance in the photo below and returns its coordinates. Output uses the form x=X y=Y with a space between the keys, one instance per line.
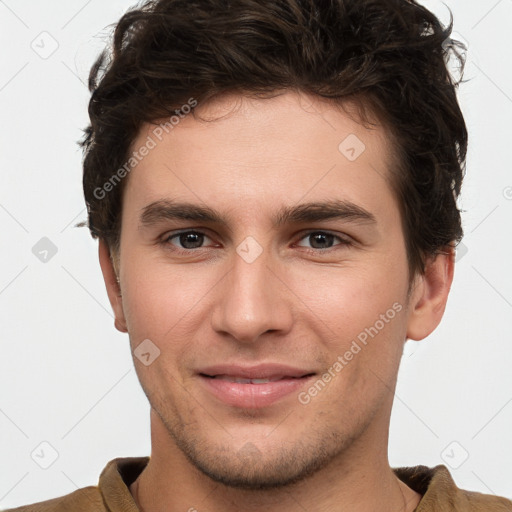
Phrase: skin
x=210 y=306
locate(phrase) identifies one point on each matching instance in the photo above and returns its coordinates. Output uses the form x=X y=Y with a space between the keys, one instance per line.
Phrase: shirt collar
x=434 y=484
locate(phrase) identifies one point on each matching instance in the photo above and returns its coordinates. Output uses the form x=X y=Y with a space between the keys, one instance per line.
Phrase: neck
x=356 y=480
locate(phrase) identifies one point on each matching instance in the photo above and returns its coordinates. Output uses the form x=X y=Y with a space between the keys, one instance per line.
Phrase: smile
x=252 y=387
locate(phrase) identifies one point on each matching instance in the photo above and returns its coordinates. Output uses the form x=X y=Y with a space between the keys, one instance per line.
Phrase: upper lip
x=260 y=371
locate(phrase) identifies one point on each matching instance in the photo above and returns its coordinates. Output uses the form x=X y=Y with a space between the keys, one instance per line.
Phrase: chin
x=249 y=469
x=275 y=465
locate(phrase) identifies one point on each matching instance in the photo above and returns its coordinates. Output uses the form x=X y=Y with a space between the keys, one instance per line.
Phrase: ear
x=113 y=288
x=430 y=294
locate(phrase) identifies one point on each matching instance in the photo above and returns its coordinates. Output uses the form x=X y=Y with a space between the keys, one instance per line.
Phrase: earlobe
x=112 y=285
x=430 y=294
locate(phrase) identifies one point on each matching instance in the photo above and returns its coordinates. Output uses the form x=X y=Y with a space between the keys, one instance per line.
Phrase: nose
x=252 y=300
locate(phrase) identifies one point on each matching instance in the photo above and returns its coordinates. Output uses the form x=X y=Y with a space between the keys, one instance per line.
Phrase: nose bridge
x=250 y=302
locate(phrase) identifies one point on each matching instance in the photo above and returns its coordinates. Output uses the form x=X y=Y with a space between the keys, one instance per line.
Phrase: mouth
x=242 y=380
x=253 y=387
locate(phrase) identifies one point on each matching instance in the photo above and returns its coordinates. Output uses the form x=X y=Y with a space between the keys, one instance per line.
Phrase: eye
x=188 y=240
x=323 y=240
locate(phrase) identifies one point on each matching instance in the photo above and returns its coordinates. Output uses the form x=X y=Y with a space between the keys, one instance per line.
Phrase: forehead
x=246 y=156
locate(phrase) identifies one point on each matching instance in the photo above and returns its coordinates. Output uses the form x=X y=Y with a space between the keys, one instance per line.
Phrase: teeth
x=240 y=380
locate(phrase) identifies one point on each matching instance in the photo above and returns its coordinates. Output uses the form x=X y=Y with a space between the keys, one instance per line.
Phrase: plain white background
x=66 y=375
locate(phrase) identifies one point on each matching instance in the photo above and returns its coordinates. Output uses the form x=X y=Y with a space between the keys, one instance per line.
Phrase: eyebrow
x=167 y=209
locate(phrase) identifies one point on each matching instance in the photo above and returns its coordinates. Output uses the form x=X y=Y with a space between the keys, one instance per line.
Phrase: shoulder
x=87 y=499
x=112 y=489
x=476 y=502
x=440 y=493
x=467 y=500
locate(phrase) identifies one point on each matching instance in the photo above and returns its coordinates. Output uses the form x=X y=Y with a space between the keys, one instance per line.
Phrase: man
x=274 y=187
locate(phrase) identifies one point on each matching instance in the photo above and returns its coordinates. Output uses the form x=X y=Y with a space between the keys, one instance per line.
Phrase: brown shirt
x=440 y=494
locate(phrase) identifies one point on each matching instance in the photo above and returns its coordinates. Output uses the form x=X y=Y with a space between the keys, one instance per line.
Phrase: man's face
x=253 y=297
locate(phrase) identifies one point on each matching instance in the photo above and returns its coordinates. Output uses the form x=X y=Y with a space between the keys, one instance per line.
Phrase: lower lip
x=252 y=396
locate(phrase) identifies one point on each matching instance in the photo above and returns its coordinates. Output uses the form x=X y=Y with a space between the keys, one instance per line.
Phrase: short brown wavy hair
x=389 y=56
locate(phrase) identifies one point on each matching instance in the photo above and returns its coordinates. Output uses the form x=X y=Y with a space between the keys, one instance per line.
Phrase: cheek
x=158 y=298
x=348 y=299
x=358 y=315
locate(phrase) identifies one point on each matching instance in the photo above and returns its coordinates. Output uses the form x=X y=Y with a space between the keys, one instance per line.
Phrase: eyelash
x=344 y=242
